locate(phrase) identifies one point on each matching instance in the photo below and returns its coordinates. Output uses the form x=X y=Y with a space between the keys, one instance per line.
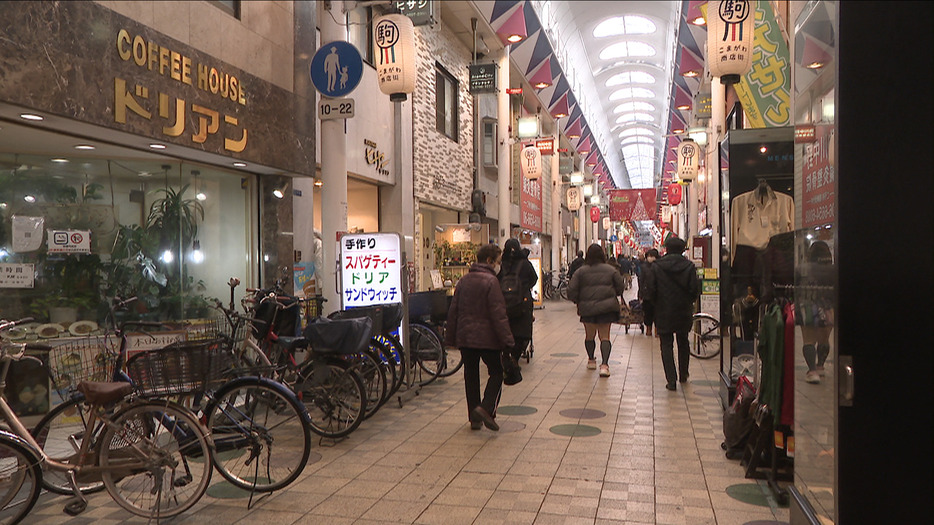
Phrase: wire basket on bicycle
x=92 y=358
x=219 y=326
x=180 y=368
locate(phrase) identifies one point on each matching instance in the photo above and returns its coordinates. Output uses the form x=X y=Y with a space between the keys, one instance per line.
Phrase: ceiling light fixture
x=31 y=116
x=239 y=164
x=84 y=146
x=60 y=161
x=157 y=146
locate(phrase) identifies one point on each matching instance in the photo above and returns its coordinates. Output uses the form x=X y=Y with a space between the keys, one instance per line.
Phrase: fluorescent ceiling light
x=84 y=146
x=31 y=116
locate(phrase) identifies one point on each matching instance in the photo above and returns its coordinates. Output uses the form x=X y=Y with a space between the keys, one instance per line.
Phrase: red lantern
x=674 y=194
x=594 y=214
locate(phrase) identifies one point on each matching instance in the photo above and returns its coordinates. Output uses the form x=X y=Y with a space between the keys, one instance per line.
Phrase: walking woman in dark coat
x=648 y=306
x=478 y=326
x=673 y=286
x=516 y=259
x=596 y=288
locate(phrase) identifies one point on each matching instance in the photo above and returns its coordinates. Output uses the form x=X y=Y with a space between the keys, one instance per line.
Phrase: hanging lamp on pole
x=730 y=30
x=394 y=47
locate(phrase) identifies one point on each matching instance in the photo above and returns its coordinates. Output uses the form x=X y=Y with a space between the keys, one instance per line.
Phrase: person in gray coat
x=673 y=287
x=596 y=288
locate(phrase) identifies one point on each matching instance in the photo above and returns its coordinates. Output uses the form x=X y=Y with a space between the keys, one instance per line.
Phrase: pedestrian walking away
x=673 y=287
x=477 y=324
x=518 y=269
x=575 y=264
x=648 y=306
x=595 y=289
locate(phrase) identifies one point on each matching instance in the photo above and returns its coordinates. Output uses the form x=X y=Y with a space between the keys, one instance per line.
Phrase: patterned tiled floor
x=656 y=460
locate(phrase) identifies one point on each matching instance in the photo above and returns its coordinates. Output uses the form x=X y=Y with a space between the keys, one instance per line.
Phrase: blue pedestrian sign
x=336 y=69
x=613 y=238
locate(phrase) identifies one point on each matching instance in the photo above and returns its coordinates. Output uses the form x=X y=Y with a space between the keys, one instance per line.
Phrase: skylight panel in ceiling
x=624 y=25
x=636 y=131
x=627 y=50
x=630 y=77
x=638 y=139
x=635 y=106
x=624 y=93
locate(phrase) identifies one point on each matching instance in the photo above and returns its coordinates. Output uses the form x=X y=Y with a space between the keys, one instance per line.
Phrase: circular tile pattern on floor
x=575 y=430
x=564 y=354
x=766 y=522
x=750 y=493
x=583 y=413
x=510 y=426
x=516 y=410
x=705 y=383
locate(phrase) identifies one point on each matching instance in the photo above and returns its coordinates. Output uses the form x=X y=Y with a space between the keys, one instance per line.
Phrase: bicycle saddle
x=101 y=393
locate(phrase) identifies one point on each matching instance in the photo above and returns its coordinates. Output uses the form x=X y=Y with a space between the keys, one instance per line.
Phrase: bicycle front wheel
x=334 y=396
x=261 y=434
x=60 y=434
x=705 y=336
x=20 y=479
x=426 y=350
x=155 y=459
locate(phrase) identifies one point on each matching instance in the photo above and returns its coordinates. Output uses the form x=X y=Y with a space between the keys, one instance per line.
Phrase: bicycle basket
x=217 y=327
x=180 y=368
x=91 y=358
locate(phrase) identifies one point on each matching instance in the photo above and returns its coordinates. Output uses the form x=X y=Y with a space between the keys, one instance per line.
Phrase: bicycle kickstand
x=79 y=503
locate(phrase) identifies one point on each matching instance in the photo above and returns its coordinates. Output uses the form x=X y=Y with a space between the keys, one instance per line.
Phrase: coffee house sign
x=171 y=110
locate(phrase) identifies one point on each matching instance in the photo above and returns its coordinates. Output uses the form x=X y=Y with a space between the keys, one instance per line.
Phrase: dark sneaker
x=671 y=386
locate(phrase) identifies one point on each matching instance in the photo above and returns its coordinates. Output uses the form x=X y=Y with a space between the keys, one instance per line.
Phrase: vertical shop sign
x=371 y=269
x=819 y=180
x=530 y=204
x=765 y=90
x=482 y=78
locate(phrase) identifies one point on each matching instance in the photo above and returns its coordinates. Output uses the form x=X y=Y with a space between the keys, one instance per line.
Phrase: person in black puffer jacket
x=596 y=288
x=516 y=259
x=672 y=286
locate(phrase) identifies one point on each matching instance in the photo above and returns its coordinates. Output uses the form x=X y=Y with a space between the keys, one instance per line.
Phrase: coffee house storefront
x=135 y=164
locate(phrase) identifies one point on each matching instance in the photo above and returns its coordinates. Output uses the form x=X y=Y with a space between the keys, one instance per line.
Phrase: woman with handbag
x=477 y=324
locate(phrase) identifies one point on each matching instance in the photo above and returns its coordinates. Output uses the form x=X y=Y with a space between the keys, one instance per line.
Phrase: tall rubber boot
x=605 y=347
x=590 y=346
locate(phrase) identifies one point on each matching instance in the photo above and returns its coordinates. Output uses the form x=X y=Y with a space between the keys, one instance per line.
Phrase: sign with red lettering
x=819 y=181
x=371 y=269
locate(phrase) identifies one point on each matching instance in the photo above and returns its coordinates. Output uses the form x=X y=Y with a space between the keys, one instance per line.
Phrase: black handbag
x=512 y=374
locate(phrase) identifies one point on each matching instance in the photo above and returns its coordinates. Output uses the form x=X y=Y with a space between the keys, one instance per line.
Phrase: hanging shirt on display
x=758 y=215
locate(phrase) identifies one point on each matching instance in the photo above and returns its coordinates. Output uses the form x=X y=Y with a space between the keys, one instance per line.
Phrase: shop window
x=231 y=7
x=360 y=31
x=170 y=233
x=488 y=145
x=446 y=89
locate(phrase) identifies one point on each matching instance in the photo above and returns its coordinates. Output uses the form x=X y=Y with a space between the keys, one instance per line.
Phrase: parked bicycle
x=552 y=290
x=140 y=450
x=706 y=339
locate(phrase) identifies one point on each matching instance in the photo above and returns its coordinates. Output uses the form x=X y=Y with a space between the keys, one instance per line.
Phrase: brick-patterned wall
x=443 y=168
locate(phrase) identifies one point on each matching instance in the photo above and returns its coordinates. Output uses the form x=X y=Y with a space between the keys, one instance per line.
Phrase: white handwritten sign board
x=17 y=275
x=371 y=269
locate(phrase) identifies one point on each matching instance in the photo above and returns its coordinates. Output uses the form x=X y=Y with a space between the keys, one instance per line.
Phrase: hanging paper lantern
x=606 y=223
x=674 y=194
x=730 y=30
x=688 y=159
x=574 y=198
x=666 y=214
x=394 y=48
x=594 y=214
x=531 y=162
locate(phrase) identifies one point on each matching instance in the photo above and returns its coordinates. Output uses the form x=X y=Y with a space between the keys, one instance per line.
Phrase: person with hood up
x=516 y=260
x=673 y=287
x=477 y=324
x=596 y=288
